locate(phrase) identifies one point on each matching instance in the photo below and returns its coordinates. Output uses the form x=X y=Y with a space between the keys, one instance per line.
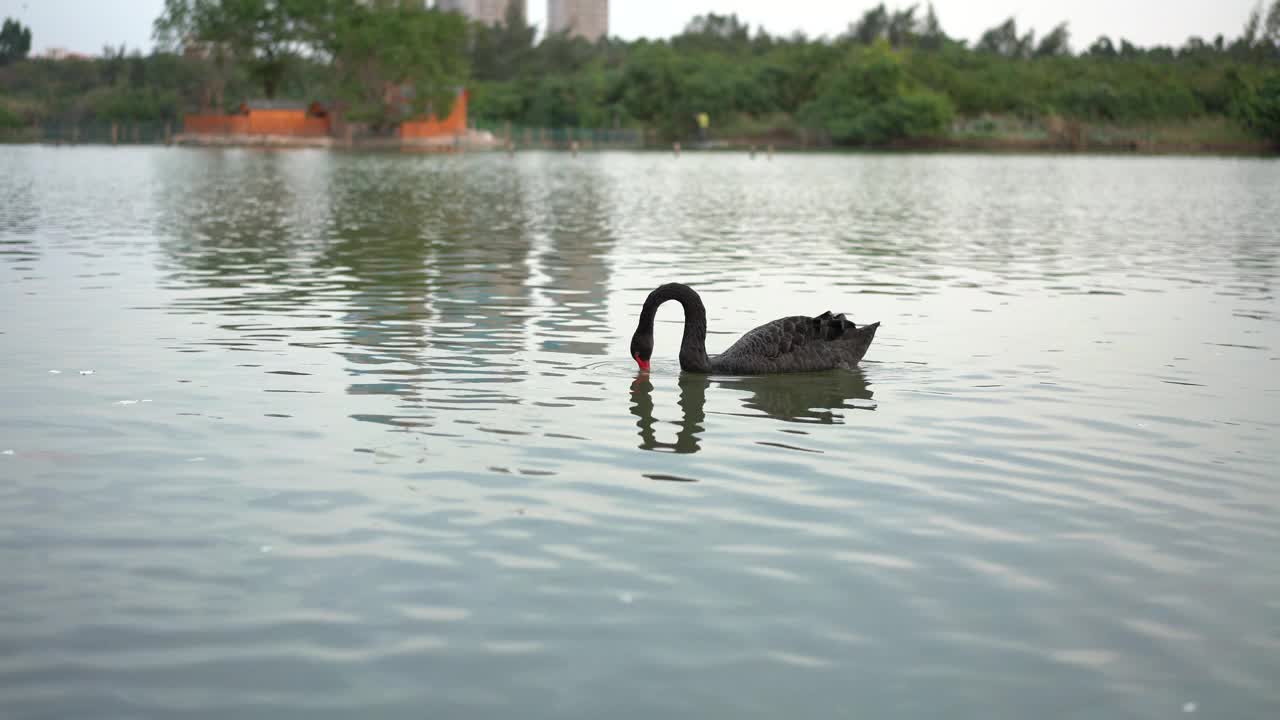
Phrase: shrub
x=1257 y=106
x=8 y=118
x=868 y=100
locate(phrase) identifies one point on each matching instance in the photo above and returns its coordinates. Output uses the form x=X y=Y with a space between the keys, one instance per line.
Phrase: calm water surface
x=309 y=435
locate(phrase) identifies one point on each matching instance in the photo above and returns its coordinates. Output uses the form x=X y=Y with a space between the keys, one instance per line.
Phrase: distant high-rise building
x=586 y=18
x=488 y=12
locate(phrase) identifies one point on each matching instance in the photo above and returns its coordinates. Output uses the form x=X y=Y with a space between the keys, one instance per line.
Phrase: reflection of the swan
x=805 y=397
x=693 y=389
x=802 y=398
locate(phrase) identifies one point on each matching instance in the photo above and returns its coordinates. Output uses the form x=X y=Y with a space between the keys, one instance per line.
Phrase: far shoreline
x=750 y=146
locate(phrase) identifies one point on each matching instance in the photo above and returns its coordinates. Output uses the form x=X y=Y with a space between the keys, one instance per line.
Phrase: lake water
x=320 y=435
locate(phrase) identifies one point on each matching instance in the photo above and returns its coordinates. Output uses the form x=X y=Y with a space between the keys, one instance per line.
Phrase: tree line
x=894 y=73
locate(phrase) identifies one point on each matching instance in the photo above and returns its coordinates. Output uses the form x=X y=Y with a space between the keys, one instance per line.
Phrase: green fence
x=100 y=132
x=95 y=132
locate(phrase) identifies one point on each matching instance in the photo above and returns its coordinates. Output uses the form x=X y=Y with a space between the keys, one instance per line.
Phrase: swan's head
x=642 y=349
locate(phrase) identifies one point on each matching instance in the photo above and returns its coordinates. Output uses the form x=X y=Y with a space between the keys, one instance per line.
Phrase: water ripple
x=397 y=462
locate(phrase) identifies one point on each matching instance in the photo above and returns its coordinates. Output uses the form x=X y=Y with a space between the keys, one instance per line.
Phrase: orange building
x=264 y=117
x=296 y=119
x=455 y=123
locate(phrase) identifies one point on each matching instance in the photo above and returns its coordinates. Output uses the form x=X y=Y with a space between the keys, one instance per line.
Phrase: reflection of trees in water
x=378 y=254
x=242 y=221
x=480 y=268
x=575 y=209
x=384 y=257
x=415 y=270
x=18 y=217
x=428 y=268
x=1254 y=260
x=801 y=397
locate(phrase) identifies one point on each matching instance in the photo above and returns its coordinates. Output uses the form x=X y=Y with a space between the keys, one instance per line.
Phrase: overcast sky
x=87 y=25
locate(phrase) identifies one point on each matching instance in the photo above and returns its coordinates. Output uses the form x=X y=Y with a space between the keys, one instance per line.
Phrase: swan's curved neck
x=693 y=348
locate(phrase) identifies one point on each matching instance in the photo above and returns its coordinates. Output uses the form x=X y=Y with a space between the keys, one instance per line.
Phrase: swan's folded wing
x=773 y=339
x=797 y=343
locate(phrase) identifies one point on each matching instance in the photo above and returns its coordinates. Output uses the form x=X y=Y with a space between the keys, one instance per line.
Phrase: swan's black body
x=790 y=344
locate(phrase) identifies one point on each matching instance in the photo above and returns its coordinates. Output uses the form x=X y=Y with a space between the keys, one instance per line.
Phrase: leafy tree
x=868 y=98
x=872 y=26
x=15 y=41
x=560 y=53
x=1271 y=30
x=387 y=57
x=500 y=51
x=931 y=35
x=396 y=60
x=1252 y=27
x=763 y=42
x=902 y=27
x=894 y=74
x=1057 y=42
x=714 y=33
x=1102 y=47
x=653 y=85
x=1004 y=40
x=1257 y=105
x=1260 y=38
x=263 y=35
x=8 y=118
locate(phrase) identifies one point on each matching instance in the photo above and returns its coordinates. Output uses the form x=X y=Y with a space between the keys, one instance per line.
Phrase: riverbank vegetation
x=894 y=76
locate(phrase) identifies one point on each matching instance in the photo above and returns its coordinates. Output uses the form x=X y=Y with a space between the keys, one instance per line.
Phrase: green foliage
x=1003 y=40
x=1057 y=42
x=719 y=66
x=498 y=51
x=397 y=61
x=869 y=99
x=265 y=36
x=1257 y=105
x=1271 y=31
x=894 y=74
x=497 y=100
x=387 y=58
x=131 y=104
x=15 y=41
x=900 y=28
x=8 y=118
x=724 y=34
x=1093 y=87
x=116 y=86
x=653 y=87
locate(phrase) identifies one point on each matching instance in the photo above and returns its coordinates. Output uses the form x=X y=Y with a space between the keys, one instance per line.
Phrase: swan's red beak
x=644 y=364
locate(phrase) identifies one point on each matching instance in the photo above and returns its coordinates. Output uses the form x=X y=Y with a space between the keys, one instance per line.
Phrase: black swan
x=790 y=344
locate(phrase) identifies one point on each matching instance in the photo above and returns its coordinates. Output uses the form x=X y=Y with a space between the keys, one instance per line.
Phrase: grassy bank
x=1007 y=133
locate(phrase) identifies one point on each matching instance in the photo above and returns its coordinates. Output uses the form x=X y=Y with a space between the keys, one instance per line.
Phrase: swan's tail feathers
x=853 y=341
x=864 y=335
x=831 y=327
